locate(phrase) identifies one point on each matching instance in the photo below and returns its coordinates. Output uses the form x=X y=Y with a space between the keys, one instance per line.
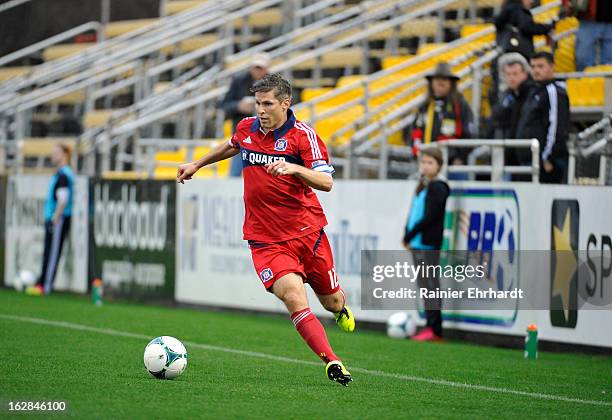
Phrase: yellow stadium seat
x=228 y=129
x=467 y=30
x=565 y=61
x=337 y=59
x=192 y=44
x=599 y=68
x=164 y=173
x=64 y=50
x=349 y=80
x=177 y=6
x=121 y=27
x=10 y=72
x=263 y=18
x=177 y=156
x=97 y=118
x=425 y=48
x=391 y=61
x=311 y=93
x=130 y=175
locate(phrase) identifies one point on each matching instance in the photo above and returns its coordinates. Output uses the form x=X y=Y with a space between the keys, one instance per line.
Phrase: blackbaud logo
x=565 y=217
x=127 y=223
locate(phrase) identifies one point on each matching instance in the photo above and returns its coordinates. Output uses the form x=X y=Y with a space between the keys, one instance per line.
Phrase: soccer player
x=283 y=159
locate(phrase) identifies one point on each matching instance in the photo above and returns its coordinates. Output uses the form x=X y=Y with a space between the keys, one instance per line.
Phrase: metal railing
x=590 y=147
x=373 y=137
x=497 y=168
x=112 y=49
x=12 y=4
x=56 y=39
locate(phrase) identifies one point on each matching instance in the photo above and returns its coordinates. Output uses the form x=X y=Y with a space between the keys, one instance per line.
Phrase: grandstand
x=154 y=83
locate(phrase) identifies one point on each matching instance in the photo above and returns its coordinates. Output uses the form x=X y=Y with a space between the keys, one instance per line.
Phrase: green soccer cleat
x=336 y=372
x=345 y=319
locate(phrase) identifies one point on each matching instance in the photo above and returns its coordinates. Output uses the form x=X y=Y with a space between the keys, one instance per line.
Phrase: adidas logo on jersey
x=247 y=140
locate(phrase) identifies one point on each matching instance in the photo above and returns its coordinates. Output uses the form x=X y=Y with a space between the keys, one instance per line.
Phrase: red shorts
x=309 y=256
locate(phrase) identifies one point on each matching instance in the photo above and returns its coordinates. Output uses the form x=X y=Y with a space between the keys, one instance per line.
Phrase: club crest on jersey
x=280 y=145
x=266 y=274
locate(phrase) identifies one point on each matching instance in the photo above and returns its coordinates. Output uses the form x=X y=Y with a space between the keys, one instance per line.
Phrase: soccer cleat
x=427 y=334
x=35 y=291
x=336 y=372
x=345 y=319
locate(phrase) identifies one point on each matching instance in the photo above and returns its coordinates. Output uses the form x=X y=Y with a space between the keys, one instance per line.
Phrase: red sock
x=313 y=333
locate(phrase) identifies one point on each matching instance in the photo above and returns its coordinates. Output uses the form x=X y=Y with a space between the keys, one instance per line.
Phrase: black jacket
x=431 y=226
x=505 y=117
x=505 y=113
x=514 y=14
x=545 y=115
x=239 y=88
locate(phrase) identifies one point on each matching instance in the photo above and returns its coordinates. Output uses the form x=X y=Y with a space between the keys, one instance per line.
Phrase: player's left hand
x=281 y=167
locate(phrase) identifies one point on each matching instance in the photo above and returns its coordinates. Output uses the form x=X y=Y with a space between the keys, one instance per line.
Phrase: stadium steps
x=327 y=127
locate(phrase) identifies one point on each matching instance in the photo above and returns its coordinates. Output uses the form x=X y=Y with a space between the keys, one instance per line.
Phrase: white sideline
x=117 y=333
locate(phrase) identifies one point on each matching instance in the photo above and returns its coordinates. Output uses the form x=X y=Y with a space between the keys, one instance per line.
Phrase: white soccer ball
x=23 y=280
x=165 y=357
x=400 y=325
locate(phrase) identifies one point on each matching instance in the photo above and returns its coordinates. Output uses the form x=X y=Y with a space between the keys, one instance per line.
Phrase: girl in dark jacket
x=423 y=233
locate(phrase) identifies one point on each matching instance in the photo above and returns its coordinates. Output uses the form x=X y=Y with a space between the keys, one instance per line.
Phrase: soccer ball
x=24 y=280
x=165 y=357
x=400 y=325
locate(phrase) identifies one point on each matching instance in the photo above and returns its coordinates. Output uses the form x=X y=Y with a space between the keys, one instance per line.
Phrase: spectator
x=239 y=103
x=545 y=115
x=595 y=17
x=423 y=233
x=516 y=75
x=58 y=213
x=444 y=115
x=516 y=27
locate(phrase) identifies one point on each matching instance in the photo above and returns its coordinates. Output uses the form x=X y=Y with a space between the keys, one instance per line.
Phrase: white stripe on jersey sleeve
x=312 y=138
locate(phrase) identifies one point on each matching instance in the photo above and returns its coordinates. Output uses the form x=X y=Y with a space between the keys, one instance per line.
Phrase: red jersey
x=279 y=208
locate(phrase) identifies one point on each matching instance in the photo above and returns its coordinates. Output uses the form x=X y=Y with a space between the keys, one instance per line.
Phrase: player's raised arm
x=316 y=171
x=223 y=151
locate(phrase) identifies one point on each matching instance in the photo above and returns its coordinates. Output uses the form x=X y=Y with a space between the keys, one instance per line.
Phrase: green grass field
x=249 y=366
